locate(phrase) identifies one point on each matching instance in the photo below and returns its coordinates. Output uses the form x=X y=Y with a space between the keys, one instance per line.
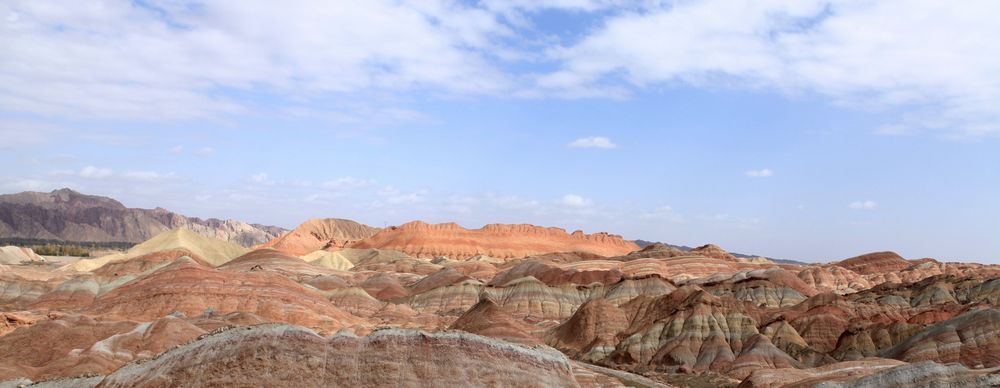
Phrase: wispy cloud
x=762 y=173
x=94 y=172
x=205 y=151
x=394 y=196
x=574 y=200
x=592 y=142
x=347 y=183
x=259 y=177
x=932 y=59
x=863 y=205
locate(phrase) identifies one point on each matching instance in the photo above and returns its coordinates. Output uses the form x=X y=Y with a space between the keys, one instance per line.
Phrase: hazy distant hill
x=644 y=243
x=67 y=215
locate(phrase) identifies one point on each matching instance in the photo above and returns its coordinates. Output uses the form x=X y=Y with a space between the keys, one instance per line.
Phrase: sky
x=807 y=130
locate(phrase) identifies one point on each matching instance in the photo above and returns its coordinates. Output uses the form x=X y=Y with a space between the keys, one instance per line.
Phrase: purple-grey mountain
x=67 y=215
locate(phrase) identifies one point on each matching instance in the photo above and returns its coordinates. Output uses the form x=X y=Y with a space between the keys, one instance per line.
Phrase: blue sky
x=808 y=130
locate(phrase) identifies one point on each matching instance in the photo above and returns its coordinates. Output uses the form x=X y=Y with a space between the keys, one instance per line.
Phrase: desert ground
x=335 y=302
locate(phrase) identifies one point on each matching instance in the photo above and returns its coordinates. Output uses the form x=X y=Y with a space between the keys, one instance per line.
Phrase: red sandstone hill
x=876 y=262
x=320 y=233
x=505 y=241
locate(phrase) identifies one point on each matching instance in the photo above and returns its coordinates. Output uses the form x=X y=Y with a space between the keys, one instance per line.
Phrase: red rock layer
x=193 y=289
x=488 y=319
x=495 y=240
x=590 y=334
x=875 y=263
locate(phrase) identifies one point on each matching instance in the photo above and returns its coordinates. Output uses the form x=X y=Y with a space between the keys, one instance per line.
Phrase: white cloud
x=259 y=177
x=177 y=150
x=574 y=200
x=763 y=173
x=162 y=60
x=939 y=61
x=94 y=172
x=863 y=205
x=165 y=60
x=394 y=196
x=592 y=142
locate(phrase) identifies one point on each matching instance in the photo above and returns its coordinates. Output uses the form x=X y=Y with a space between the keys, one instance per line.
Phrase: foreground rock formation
x=287 y=355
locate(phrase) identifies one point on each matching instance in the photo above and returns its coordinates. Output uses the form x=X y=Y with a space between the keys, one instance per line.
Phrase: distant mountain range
x=66 y=215
x=644 y=243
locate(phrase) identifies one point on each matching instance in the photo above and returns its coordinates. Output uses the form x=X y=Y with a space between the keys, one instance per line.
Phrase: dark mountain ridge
x=66 y=215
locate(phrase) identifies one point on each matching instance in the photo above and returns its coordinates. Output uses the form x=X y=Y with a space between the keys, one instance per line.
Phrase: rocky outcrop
x=13 y=321
x=925 y=374
x=772 y=287
x=689 y=328
x=321 y=233
x=488 y=319
x=75 y=345
x=875 y=263
x=70 y=216
x=810 y=377
x=654 y=251
x=834 y=279
x=676 y=269
x=591 y=333
x=713 y=251
x=284 y=355
x=972 y=339
x=759 y=353
x=495 y=240
x=270 y=260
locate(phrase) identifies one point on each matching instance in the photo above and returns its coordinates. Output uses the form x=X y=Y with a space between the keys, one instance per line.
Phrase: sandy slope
x=215 y=252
